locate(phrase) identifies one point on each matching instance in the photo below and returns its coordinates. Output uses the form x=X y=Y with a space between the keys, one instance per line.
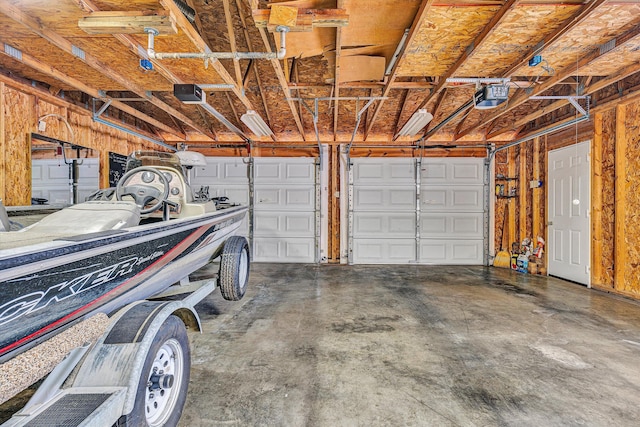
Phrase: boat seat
x=89 y=217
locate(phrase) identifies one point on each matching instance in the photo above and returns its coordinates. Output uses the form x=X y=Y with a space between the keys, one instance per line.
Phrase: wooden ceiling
x=338 y=57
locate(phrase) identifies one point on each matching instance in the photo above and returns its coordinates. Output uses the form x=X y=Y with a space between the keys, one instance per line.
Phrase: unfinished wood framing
x=620 y=196
x=597 y=259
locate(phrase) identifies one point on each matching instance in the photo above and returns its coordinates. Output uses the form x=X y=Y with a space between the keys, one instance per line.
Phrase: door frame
x=550 y=195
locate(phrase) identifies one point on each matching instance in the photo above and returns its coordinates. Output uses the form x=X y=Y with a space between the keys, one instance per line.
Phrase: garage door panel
x=298 y=250
x=387 y=171
x=455 y=198
x=221 y=171
x=450 y=171
x=284 y=199
x=459 y=225
x=380 y=225
x=50 y=180
x=380 y=199
x=457 y=252
x=288 y=171
x=277 y=224
x=384 y=251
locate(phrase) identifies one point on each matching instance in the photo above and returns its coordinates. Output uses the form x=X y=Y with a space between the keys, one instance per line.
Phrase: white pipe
x=217 y=55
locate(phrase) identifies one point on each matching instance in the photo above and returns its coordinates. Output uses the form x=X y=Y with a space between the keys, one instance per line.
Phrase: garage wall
x=615 y=166
x=20 y=107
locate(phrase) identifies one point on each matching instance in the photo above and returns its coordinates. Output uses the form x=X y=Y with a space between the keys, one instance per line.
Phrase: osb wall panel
x=527 y=177
x=18 y=124
x=608 y=178
x=632 y=220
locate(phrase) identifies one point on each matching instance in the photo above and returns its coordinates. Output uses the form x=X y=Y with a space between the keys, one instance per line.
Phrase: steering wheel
x=141 y=193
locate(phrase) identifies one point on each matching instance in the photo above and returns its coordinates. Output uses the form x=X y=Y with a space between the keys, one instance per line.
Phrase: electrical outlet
x=535 y=184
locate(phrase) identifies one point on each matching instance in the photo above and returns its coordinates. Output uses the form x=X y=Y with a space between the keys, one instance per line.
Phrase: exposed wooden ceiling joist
x=471 y=49
x=569 y=71
x=418 y=21
x=65 y=45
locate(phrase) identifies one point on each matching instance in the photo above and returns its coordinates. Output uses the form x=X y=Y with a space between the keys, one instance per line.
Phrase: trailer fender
x=119 y=355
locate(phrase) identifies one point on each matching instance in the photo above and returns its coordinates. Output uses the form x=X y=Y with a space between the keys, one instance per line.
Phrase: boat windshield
x=153 y=158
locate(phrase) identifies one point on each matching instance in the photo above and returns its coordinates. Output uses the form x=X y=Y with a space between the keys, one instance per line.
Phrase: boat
x=124 y=244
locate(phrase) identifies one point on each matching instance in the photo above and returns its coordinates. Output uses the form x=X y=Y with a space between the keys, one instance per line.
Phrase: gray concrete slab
x=414 y=345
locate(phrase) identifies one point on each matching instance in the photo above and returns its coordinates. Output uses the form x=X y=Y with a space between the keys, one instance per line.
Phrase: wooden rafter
x=336 y=81
x=202 y=46
x=283 y=83
x=65 y=45
x=570 y=70
x=472 y=49
x=436 y=109
x=403 y=106
x=77 y=84
x=306 y=19
x=245 y=32
x=232 y=39
x=592 y=88
x=425 y=6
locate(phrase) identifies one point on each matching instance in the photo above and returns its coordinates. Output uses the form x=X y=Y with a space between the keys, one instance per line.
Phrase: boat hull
x=51 y=286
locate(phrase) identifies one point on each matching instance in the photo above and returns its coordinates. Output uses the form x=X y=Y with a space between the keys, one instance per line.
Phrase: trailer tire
x=234 y=268
x=163 y=405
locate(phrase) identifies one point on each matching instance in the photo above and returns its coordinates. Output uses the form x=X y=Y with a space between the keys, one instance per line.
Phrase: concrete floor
x=414 y=345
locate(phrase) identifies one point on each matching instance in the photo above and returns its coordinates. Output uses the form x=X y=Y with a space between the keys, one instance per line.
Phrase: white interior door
x=569 y=207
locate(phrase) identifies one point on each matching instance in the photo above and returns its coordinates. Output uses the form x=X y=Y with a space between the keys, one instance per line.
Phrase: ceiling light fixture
x=255 y=123
x=419 y=120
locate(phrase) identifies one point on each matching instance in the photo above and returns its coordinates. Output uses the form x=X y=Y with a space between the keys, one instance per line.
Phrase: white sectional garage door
x=225 y=177
x=285 y=201
x=384 y=214
x=452 y=216
x=50 y=180
x=384 y=211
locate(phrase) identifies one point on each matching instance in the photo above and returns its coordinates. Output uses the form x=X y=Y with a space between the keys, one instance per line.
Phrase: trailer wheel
x=234 y=268
x=162 y=389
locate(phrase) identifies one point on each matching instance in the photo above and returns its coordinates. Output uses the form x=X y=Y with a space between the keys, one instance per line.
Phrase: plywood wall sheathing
x=620 y=243
x=632 y=200
x=596 y=203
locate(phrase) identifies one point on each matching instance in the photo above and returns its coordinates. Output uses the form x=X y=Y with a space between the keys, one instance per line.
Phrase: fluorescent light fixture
x=255 y=123
x=396 y=54
x=419 y=120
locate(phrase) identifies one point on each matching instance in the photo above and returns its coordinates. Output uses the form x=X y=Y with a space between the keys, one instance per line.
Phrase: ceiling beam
x=425 y=6
x=203 y=47
x=336 y=80
x=283 y=83
x=592 y=88
x=65 y=45
x=436 y=109
x=570 y=70
x=48 y=70
x=479 y=40
x=232 y=39
x=245 y=32
x=306 y=19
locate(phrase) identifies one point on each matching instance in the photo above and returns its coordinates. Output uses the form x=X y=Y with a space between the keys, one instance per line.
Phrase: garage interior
x=388 y=151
